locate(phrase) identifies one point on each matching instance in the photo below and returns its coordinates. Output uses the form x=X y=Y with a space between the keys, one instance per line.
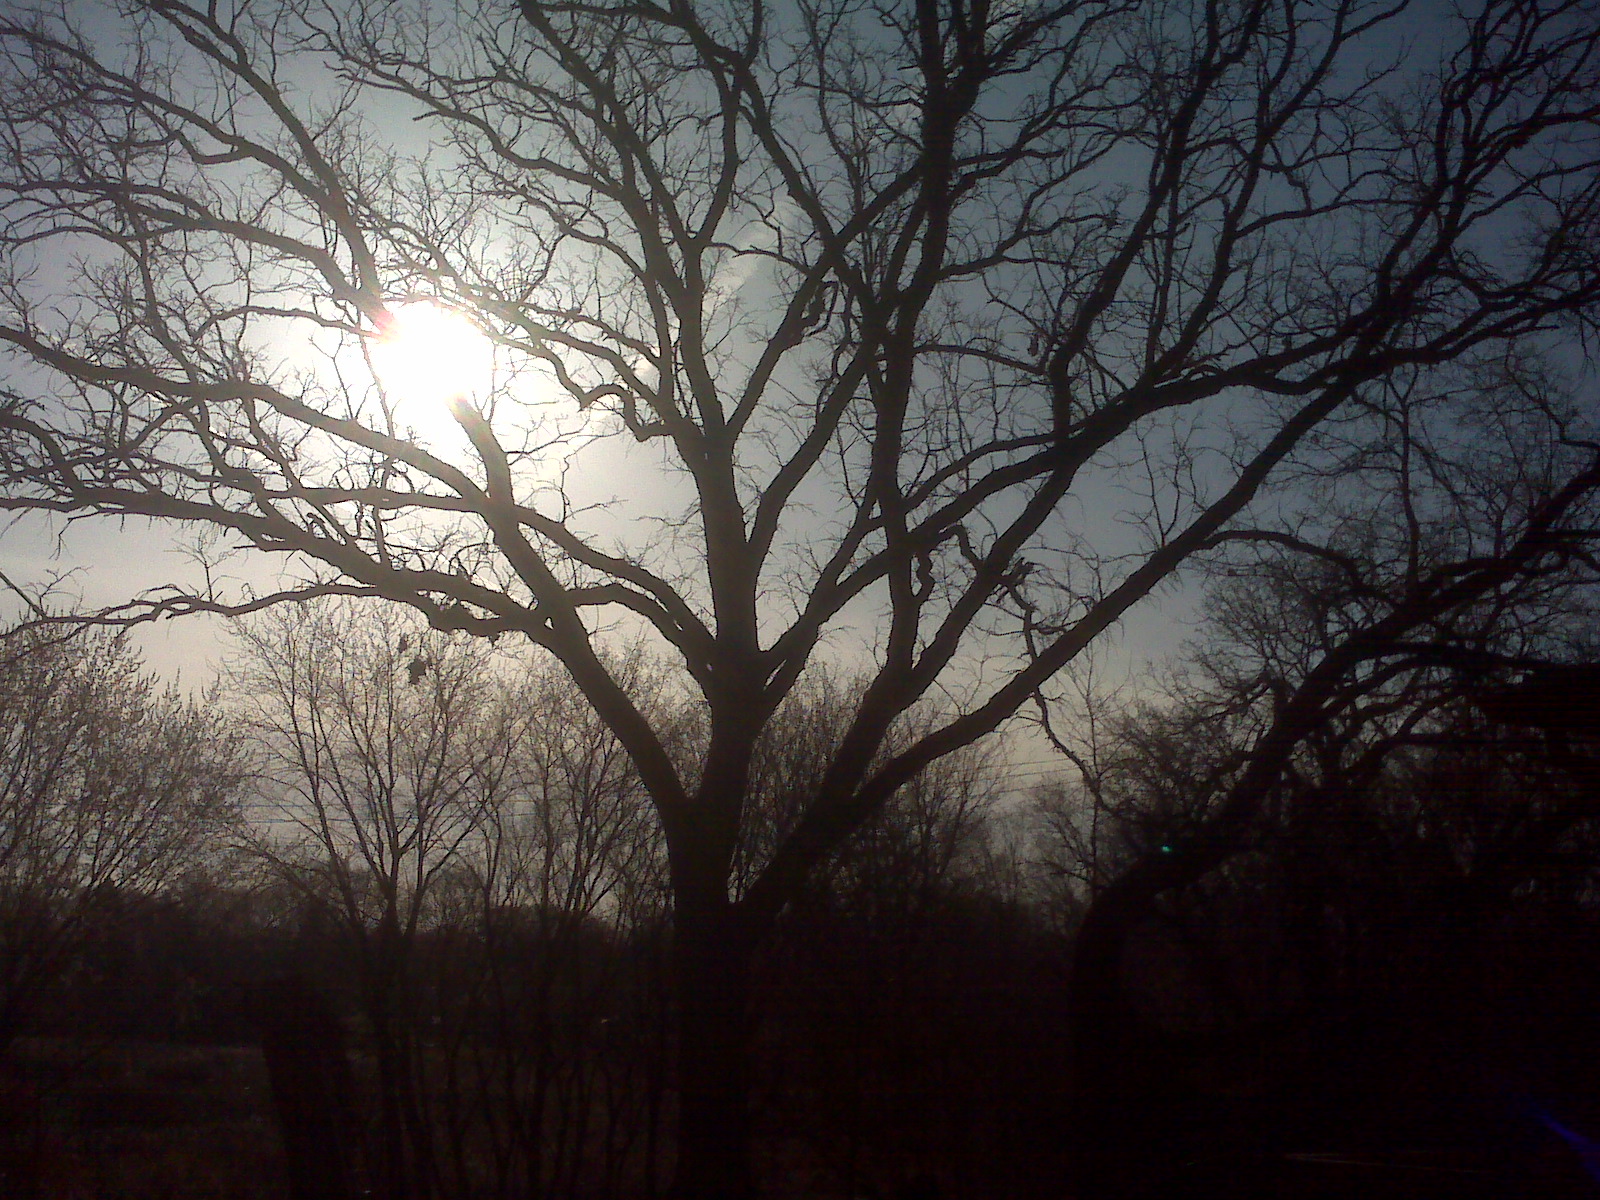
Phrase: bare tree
x=1456 y=541
x=109 y=785
x=968 y=322
x=381 y=747
x=425 y=790
x=551 y=1043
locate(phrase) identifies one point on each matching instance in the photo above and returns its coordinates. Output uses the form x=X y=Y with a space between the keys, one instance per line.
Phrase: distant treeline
x=434 y=865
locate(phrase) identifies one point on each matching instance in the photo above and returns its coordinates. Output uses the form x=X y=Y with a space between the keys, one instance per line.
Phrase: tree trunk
x=712 y=950
x=1118 y=1144
x=1124 y=1148
x=1097 y=1016
x=303 y=1045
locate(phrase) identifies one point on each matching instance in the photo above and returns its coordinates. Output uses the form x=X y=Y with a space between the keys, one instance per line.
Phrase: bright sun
x=426 y=354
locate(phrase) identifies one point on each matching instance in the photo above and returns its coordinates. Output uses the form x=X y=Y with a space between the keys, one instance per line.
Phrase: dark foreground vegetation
x=923 y=1053
x=1391 y=988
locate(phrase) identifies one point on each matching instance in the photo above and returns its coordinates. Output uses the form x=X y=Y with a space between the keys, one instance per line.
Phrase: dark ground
x=151 y=1121
x=137 y=1121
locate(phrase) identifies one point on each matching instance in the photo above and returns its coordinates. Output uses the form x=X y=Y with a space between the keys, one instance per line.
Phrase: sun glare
x=427 y=354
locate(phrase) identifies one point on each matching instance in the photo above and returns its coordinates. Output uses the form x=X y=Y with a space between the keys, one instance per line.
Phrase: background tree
x=899 y=990
x=919 y=310
x=382 y=750
x=549 y=997
x=111 y=789
x=1456 y=542
x=463 y=821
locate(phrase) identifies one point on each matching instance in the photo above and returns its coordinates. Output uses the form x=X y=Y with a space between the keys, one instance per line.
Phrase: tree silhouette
x=1329 y=657
x=111 y=787
x=483 y=801
x=966 y=324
